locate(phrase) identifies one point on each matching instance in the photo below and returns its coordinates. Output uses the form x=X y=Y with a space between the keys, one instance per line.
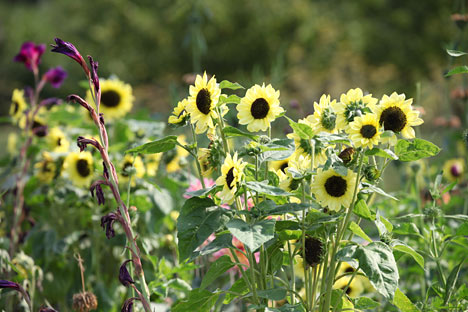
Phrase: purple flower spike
x=128 y=305
x=107 y=223
x=96 y=186
x=55 y=76
x=30 y=54
x=11 y=285
x=124 y=275
x=69 y=50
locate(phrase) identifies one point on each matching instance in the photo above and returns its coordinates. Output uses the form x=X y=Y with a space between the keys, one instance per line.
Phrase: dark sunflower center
x=47 y=166
x=127 y=165
x=204 y=101
x=110 y=98
x=336 y=186
x=259 y=108
x=59 y=142
x=349 y=270
x=284 y=166
x=393 y=118
x=348 y=291
x=313 y=251
x=42 y=131
x=368 y=131
x=230 y=178
x=82 y=167
x=15 y=107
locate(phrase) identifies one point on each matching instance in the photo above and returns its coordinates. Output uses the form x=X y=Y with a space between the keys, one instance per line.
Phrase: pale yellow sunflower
x=353 y=104
x=79 y=167
x=364 y=131
x=12 y=143
x=396 y=114
x=354 y=289
x=57 y=141
x=128 y=163
x=179 y=158
x=116 y=98
x=280 y=164
x=347 y=268
x=333 y=189
x=454 y=169
x=46 y=168
x=201 y=104
x=204 y=158
x=324 y=117
x=179 y=115
x=232 y=173
x=152 y=163
x=38 y=127
x=259 y=107
x=18 y=105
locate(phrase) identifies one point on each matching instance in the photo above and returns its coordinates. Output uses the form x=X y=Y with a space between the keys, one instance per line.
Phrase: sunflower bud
x=386 y=238
x=371 y=173
x=128 y=305
x=69 y=50
x=264 y=139
x=314 y=251
x=347 y=155
x=84 y=302
x=431 y=212
x=124 y=275
x=252 y=149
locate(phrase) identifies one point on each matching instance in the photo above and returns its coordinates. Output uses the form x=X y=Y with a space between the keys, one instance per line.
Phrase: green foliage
x=252 y=235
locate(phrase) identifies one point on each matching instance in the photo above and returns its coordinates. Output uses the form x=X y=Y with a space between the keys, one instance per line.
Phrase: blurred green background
x=305 y=48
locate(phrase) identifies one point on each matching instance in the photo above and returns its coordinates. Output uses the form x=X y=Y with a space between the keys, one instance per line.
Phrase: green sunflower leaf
x=198 y=219
x=402 y=247
x=356 y=229
x=264 y=188
x=275 y=294
x=158 y=146
x=377 y=262
x=457 y=70
x=197 y=300
x=252 y=235
x=302 y=130
x=385 y=153
x=221 y=265
x=362 y=210
x=233 y=132
x=364 y=303
x=239 y=287
x=403 y=303
x=225 y=84
x=416 y=149
x=277 y=149
x=232 y=99
x=370 y=188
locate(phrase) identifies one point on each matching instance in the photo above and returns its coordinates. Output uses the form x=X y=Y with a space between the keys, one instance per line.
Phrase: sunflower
x=201 y=104
x=206 y=162
x=364 y=131
x=287 y=183
x=324 y=117
x=12 y=143
x=352 y=104
x=347 y=268
x=280 y=164
x=178 y=157
x=304 y=147
x=57 y=140
x=46 y=168
x=259 y=107
x=152 y=163
x=333 y=189
x=126 y=165
x=18 y=104
x=354 y=289
x=396 y=114
x=116 y=98
x=179 y=115
x=454 y=169
x=79 y=167
x=231 y=174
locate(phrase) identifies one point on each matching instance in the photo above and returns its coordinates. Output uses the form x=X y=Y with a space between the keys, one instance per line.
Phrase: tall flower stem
x=200 y=174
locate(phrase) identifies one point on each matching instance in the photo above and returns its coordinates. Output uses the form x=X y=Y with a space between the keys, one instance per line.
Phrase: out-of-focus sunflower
x=46 y=168
x=354 y=289
x=364 y=131
x=79 y=167
x=130 y=162
x=333 y=189
x=57 y=140
x=12 y=143
x=206 y=163
x=201 y=104
x=353 y=104
x=179 y=115
x=175 y=161
x=396 y=114
x=259 y=107
x=280 y=164
x=232 y=172
x=18 y=105
x=454 y=169
x=152 y=163
x=116 y=98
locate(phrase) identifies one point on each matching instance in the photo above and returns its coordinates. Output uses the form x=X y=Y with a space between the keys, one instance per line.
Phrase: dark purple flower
x=30 y=55
x=69 y=50
x=128 y=304
x=47 y=309
x=124 y=275
x=94 y=75
x=96 y=186
x=107 y=223
x=55 y=76
x=11 y=285
x=105 y=172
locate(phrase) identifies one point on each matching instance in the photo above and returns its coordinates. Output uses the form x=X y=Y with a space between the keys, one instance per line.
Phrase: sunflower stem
x=221 y=126
x=200 y=174
x=304 y=261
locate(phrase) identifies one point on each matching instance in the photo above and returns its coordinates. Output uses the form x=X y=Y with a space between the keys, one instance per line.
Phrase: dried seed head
x=84 y=302
x=347 y=155
x=314 y=251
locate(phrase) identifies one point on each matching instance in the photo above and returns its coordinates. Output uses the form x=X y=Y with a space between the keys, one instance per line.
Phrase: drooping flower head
x=232 y=173
x=57 y=141
x=201 y=104
x=55 y=76
x=333 y=189
x=396 y=114
x=18 y=105
x=116 y=98
x=179 y=115
x=454 y=169
x=324 y=117
x=259 y=107
x=364 y=131
x=30 y=54
x=353 y=104
x=79 y=167
x=69 y=50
